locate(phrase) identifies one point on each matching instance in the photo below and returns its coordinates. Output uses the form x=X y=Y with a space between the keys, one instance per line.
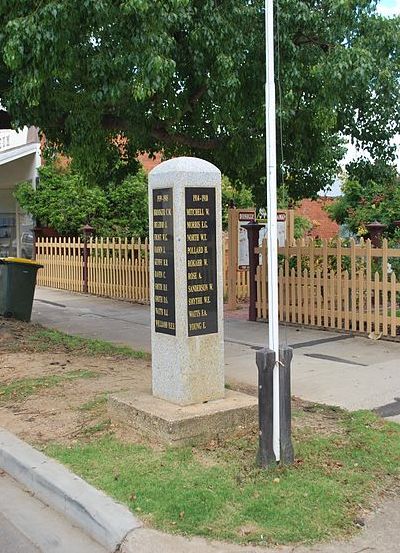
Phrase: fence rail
x=242 y=276
x=116 y=268
x=340 y=287
x=343 y=287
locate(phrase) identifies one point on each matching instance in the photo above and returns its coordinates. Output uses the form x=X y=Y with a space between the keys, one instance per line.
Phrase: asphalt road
x=12 y=540
x=29 y=526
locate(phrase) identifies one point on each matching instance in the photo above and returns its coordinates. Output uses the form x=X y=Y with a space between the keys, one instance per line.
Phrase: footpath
x=333 y=368
x=328 y=367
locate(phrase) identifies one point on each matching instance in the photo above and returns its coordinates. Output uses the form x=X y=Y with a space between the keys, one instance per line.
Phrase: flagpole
x=272 y=236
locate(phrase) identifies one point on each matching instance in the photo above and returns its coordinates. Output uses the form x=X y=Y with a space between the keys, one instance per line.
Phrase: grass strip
x=94 y=404
x=220 y=493
x=25 y=387
x=44 y=340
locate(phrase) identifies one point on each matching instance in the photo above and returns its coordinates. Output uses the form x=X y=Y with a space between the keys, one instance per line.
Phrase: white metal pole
x=273 y=314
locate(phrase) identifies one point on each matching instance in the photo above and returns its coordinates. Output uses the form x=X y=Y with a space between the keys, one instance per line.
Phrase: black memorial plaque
x=201 y=261
x=164 y=268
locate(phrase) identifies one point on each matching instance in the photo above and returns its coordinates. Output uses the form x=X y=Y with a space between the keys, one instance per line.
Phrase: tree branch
x=159 y=132
x=178 y=139
x=301 y=39
x=196 y=96
x=114 y=122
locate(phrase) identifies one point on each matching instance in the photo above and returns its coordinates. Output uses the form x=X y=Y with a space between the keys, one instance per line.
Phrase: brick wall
x=323 y=226
x=149 y=163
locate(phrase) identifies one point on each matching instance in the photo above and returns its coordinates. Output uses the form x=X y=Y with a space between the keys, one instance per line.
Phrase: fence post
x=253 y=231
x=375 y=230
x=87 y=232
x=37 y=233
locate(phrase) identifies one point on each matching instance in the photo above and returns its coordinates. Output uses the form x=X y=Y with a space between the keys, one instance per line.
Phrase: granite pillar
x=186 y=281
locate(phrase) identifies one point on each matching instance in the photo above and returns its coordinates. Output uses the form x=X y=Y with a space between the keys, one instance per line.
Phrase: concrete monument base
x=170 y=424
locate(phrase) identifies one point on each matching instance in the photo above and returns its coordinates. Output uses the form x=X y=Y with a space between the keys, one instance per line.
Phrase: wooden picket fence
x=342 y=287
x=242 y=276
x=116 y=268
x=119 y=268
x=62 y=263
x=338 y=286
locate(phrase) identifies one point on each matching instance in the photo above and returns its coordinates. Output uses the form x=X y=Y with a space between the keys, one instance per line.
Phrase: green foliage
x=127 y=213
x=370 y=193
x=65 y=201
x=187 y=77
x=19 y=390
x=238 y=195
x=219 y=492
x=302 y=225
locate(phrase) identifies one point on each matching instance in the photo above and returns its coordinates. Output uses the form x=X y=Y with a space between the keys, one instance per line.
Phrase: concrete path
x=86 y=508
x=352 y=372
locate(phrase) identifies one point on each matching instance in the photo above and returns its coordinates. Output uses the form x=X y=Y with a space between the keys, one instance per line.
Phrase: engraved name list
x=164 y=268
x=201 y=261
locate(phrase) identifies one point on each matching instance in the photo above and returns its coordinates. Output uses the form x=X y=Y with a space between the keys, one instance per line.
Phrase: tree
x=187 y=77
x=371 y=192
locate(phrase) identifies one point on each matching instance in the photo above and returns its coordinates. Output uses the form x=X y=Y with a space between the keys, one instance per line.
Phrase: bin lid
x=19 y=260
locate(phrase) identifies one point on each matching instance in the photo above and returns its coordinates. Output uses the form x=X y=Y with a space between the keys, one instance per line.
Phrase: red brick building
x=323 y=226
x=148 y=162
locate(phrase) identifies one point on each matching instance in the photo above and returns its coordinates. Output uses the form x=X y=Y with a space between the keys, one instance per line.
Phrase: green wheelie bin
x=17 y=287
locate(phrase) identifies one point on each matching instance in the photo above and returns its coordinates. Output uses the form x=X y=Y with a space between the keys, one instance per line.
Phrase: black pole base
x=287 y=452
x=266 y=362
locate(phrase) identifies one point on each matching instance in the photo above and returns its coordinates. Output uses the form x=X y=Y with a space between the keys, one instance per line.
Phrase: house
x=314 y=210
x=19 y=161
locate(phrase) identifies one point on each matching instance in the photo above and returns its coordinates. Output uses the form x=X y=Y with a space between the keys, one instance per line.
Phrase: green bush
x=238 y=195
x=127 y=207
x=301 y=226
x=64 y=201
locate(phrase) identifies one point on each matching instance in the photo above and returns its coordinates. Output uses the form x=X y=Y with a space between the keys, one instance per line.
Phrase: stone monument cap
x=185 y=165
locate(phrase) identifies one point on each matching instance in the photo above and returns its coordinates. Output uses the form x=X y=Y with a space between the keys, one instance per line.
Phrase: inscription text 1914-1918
x=201 y=261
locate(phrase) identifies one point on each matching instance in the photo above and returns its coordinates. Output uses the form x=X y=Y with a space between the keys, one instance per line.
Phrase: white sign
x=244 y=217
x=281 y=219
